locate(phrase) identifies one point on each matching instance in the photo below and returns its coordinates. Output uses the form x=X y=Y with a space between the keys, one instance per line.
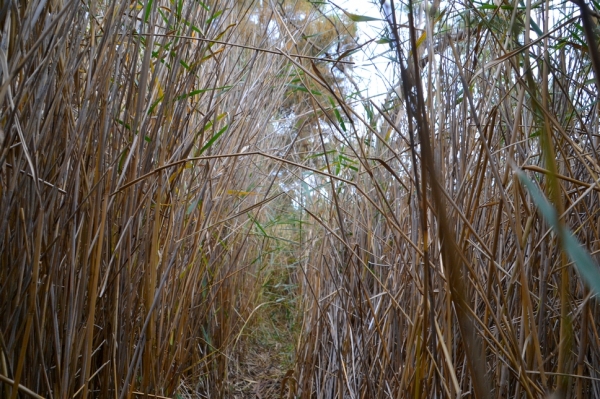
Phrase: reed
x=125 y=267
x=431 y=272
x=198 y=199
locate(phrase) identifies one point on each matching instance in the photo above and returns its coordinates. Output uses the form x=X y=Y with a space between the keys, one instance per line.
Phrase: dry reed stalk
x=522 y=288
x=145 y=150
x=112 y=288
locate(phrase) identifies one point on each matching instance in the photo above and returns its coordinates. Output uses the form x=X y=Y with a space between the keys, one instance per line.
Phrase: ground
x=267 y=355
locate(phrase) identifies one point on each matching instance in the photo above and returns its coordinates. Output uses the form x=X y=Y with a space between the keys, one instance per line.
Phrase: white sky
x=373 y=70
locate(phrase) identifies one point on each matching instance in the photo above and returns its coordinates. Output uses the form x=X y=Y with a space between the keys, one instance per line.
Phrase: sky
x=373 y=70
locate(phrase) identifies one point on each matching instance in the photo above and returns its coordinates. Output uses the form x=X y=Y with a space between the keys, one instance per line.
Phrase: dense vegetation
x=201 y=199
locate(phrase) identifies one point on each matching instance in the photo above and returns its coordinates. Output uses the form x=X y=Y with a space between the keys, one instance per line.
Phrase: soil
x=266 y=359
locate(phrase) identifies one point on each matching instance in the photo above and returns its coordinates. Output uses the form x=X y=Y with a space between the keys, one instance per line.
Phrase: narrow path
x=267 y=352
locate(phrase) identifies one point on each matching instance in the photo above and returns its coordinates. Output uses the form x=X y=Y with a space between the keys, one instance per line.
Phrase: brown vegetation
x=195 y=203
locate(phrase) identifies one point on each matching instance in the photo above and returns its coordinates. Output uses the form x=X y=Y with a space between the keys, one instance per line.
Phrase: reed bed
x=429 y=270
x=133 y=192
x=177 y=175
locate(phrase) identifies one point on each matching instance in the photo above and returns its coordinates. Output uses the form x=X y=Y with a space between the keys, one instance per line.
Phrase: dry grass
x=183 y=214
x=428 y=271
x=123 y=269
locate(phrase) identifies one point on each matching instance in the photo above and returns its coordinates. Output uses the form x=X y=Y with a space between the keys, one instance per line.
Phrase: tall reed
x=430 y=272
x=167 y=167
x=129 y=210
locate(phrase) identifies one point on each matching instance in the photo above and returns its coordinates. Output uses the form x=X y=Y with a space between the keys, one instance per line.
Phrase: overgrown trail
x=265 y=359
x=266 y=354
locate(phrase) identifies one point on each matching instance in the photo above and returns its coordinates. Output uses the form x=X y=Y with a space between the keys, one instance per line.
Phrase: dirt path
x=267 y=356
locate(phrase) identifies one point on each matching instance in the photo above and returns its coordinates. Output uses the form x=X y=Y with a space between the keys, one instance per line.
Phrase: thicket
x=175 y=173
